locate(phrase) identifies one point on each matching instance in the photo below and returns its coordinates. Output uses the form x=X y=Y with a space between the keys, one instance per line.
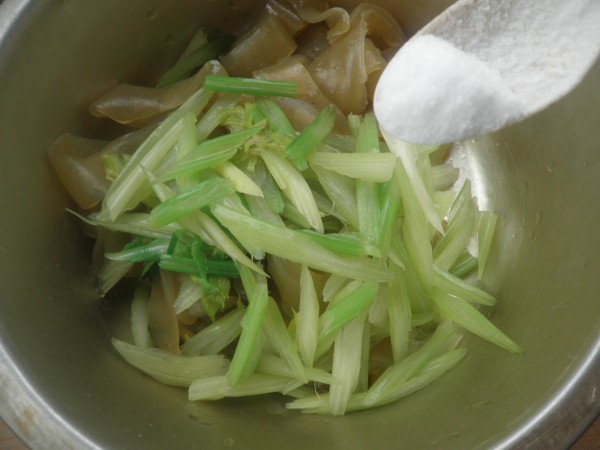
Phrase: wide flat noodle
x=137 y=106
x=264 y=44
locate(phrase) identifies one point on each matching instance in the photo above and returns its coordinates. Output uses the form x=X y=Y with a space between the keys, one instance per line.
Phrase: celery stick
x=210 y=120
x=241 y=182
x=400 y=314
x=408 y=155
x=415 y=230
x=168 y=368
x=342 y=311
x=341 y=191
x=111 y=273
x=216 y=336
x=294 y=186
x=183 y=68
x=464 y=265
x=215 y=388
x=139 y=317
x=137 y=224
x=485 y=234
x=297 y=247
x=307 y=142
x=274 y=365
x=307 y=318
x=251 y=86
x=210 y=153
x=193 y=199
x=432 y=371
x=341 y=244
x=200 y=223
x=458 y=233
x=258 y=302
x=452 y=285
x=346 y=364
x=374 y=167
x=278 y=121
x=391 y=205
x=444 y=176
x=127 y=189
x=277 y=334
x=189 y=293
x=402 y=371
x=466 y=316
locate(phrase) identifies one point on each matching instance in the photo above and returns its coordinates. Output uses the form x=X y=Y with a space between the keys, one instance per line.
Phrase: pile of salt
x=484 y=64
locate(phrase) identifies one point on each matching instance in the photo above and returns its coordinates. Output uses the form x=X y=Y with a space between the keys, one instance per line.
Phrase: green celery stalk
x=373 y=167
x=278 y=121
x=216 y=336
x=211 y=50
x=131 y=183
x=466 y=316
x=341 y=191
x=210 y=153
x=485 y=235
x=309 y=139
x=215 y=388
x=168 y=368
x=139 y=317
x=191 y=200
x=307 y=318
x=452 y=285
x=258 y=301
x=296 y=246
x=251 y=86
x=294 y=186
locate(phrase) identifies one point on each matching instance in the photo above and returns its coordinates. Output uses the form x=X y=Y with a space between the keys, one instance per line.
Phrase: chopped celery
x=215 y=46
x=375 y=167
x=307 y=142
x=251 y=86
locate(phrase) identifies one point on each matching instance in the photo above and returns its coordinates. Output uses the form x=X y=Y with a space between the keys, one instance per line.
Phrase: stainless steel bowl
x=63 y=386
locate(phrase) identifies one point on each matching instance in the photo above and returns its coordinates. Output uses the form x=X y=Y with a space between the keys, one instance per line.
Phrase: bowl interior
x=62 y=382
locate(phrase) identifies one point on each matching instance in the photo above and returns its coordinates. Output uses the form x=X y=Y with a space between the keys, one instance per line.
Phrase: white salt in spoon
x=485 y=64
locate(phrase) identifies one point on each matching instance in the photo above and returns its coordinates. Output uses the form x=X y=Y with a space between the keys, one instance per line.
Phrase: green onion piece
x=296 y=246
x=168 y=368
x=373 y=167
x=485 y=235
x=251 y=86
x=139 y=317
x=464 y=315
x=193 y=199
x=183 y=68
x=307 y=142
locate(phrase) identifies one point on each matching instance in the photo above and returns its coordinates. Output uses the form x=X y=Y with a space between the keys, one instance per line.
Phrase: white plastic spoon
x=484 y=64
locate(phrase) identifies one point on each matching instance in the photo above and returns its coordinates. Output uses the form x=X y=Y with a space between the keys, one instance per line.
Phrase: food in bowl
x=276 y=241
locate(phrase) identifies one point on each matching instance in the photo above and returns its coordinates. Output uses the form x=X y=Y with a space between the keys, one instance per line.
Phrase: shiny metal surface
x=63 y=386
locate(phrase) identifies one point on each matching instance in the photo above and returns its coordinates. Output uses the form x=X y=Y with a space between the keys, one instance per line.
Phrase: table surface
x=589 y=441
